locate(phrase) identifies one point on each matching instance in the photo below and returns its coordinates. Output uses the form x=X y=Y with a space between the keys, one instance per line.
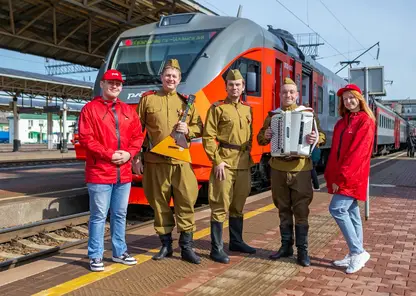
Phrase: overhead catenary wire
x=291 y=12
x=348 y=31
x=335 y=55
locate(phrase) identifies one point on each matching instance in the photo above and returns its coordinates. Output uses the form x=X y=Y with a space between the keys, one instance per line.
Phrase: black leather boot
x=186 y=244
x=302 y=244
x=236 y=236
x=217 y=252
x=166 y=250
x=286 y=249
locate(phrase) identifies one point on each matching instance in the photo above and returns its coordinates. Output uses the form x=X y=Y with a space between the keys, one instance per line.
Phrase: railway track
x=22 y=244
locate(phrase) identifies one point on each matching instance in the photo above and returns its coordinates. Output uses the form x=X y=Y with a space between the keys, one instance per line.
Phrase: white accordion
x=289 y=132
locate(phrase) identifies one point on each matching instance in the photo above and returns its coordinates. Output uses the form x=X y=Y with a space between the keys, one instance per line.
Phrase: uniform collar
x=167 y=94
x=290 y=108
x=229 y=101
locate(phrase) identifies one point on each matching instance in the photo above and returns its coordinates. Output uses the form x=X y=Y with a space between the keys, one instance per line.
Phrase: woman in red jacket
x=348 y=169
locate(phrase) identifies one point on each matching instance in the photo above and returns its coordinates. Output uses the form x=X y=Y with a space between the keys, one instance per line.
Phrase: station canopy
x=37 y=91
x=79 y=31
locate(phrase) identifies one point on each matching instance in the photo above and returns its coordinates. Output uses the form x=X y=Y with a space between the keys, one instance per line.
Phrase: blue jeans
x=346 y=213
x=103 y=197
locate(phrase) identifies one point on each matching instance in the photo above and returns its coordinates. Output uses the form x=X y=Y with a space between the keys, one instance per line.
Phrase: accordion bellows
x=289 y=132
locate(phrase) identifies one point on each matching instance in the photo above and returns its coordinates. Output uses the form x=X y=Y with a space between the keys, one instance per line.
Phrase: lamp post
x=40 y=128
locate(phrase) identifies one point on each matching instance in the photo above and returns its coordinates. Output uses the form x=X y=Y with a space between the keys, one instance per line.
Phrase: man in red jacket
x=111 y=133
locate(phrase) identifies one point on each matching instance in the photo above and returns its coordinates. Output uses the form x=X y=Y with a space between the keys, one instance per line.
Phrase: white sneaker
x=358 y=262
x=343 y=262
x=125 y=259
x=96 y=264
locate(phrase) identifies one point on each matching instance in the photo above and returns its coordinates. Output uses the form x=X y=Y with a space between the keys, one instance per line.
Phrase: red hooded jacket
x=104 y=127
x=349 y=159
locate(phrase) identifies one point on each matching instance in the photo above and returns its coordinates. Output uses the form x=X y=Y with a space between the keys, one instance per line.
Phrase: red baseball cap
x=348 y=87
x=112 y=74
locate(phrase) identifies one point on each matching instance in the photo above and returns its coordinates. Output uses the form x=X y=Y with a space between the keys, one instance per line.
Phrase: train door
x=396 y=133
x=277 y=83
x=317 y=100
x=314 y=91
x=298 y=81
x=305 y=92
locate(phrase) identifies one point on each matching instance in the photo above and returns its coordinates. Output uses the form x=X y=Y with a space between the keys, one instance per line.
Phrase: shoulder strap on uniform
x=183 y=97
x=245 y=103
x=218 y=103
x=148 y=93
x=274 y=112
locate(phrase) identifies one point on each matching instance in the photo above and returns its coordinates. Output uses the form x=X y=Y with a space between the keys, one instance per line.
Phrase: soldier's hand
x=268 y=133
x=182 y=127
x=311 y=138
x=219 y=171
x=138 y=166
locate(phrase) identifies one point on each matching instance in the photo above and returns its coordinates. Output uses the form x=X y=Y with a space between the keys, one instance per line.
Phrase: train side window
x=248 y=66
x=320 y=100
x=332 y=103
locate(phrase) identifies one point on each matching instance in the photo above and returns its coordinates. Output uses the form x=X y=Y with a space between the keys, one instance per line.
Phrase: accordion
x=289 y=132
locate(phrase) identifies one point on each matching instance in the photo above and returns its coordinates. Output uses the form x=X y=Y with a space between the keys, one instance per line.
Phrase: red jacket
x=349 y=159
x=104 y=127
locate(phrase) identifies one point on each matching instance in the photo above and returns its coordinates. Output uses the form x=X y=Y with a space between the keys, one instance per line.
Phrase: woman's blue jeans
x=346 y=213
x=103 y=197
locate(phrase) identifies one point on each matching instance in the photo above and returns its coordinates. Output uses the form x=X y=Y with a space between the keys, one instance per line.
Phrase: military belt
x=241 y=148
x=289 y=158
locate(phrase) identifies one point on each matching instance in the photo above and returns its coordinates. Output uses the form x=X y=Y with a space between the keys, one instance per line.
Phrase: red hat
x=112 y=74
x=348 y=87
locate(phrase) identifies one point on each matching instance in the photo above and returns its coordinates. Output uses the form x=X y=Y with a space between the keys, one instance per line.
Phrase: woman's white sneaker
x=358 y=262
x=125 y=259
x=343 y=262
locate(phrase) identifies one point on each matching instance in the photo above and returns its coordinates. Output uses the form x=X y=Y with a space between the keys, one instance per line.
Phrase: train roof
x=277 y=39
x=388 y=109
x=273 y=38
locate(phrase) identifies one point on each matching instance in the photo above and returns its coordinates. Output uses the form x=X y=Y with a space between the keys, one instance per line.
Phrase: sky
x=347 y=27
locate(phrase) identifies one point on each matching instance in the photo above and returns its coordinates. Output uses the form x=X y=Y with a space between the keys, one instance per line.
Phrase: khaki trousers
x=160 y=182
x=292 y=194
x=228 y=195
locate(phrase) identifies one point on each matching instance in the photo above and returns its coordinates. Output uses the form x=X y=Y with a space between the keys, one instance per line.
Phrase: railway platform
x=42 y=155
x=41 y=190
x=389 y=236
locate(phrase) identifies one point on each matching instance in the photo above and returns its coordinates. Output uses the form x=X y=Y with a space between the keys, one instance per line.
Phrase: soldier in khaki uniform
x=230 y=123
x=160 y=112
x=291 y=184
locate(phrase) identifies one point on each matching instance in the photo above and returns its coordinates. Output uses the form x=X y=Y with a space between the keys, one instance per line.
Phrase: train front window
x=141 y=59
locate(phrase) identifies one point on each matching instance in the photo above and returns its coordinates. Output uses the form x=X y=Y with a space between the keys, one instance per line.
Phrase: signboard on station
x=375 y=79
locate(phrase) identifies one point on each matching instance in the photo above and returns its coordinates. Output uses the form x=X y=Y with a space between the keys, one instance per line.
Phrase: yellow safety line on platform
x=115 y=268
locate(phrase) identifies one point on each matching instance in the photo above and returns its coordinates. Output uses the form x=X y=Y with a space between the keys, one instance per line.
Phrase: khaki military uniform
x=291 y=180
x=163 y=176
x=230 y=124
